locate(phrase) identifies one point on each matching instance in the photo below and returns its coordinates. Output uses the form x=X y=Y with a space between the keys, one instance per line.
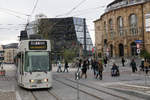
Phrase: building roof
x=12 y=45
x=114 y=2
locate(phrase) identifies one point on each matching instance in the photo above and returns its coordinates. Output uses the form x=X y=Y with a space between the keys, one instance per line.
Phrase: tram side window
x=22 y=63
x=50 y=63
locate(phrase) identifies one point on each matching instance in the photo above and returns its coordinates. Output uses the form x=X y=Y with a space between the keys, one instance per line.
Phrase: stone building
x=1 y=54
x=124 y=28
x=10 y=52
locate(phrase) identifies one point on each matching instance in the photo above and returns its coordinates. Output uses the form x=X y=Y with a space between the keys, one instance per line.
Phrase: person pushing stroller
x=115 y=70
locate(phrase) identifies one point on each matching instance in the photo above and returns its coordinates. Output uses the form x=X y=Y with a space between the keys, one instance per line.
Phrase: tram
x=34 y=69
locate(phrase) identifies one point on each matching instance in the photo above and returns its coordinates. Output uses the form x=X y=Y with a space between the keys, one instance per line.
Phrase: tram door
x=20 y=67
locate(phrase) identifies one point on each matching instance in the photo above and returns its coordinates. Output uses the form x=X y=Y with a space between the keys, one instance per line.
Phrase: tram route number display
x=37 y=45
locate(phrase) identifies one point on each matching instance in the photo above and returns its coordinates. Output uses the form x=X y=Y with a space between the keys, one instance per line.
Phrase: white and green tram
x=33 y=61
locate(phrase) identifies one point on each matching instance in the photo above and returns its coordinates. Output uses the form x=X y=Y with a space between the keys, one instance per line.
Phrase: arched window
x=133 y=24
x=120 y=25
x=105 y=29
x=111 y=28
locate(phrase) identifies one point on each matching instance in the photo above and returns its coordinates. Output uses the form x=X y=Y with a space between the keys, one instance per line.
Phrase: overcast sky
x=13 y=14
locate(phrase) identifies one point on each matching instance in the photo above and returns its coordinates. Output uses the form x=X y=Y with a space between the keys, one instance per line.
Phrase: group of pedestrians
x=97 y=67
x=66 y=66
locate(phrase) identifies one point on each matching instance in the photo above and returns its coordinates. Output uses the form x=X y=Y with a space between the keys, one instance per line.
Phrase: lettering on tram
x=37 y=45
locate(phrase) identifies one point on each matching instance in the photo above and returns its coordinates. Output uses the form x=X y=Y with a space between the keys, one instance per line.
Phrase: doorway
x=121 y=50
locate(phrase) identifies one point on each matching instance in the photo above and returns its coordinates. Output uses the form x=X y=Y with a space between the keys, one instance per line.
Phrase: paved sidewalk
x=7 y=83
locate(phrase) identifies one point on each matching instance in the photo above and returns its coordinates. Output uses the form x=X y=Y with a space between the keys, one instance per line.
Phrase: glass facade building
x=64 y=33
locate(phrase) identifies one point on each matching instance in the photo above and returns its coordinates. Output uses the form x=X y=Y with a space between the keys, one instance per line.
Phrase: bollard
x=77 y=77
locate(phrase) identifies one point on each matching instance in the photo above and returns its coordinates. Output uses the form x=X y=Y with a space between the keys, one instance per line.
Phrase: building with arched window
x=124 y=25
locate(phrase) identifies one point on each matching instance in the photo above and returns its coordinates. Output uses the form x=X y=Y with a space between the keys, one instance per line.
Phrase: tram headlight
x=31 y=81
x=45 y=80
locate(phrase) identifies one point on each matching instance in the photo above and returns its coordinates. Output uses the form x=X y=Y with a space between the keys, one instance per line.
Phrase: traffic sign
x=138 y=51
x=138 y=41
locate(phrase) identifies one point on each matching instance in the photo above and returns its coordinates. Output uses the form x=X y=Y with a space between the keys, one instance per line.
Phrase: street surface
x=128 y=86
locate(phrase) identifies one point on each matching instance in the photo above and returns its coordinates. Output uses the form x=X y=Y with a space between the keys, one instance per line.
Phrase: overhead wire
x=16 y=12
x=15 y=15
x=68 y=13
x=74 y=8
x=33 y=10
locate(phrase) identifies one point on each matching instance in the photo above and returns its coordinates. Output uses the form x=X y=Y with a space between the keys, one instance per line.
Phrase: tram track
x=48 y=91
x=35 y=98
x=90 y=94
x=54 y=95
x=99 y=90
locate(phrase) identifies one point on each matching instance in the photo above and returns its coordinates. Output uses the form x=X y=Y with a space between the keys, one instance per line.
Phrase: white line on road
x=137 y=86
x=18 y=96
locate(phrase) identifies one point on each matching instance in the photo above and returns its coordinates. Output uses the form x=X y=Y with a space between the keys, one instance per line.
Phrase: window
x=120 y=25
x=105 y=29
x=111 y=28
x=133 y=24
x=37 y=61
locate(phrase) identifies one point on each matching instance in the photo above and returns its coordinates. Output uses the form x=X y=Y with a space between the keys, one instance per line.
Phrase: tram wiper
x=45 y=72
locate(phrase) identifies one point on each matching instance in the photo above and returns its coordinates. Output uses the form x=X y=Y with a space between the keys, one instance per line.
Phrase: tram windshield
x=37 y=62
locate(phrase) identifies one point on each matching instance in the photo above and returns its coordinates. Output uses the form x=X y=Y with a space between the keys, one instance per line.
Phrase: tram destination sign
x=37 y=45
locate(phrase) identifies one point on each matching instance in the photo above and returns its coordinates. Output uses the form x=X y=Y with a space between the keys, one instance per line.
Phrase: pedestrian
x=133 y=65
x=59 y=67
x=105 y=61
x=84 y=69
x=142 y=65
x=100 y=70
x=146 y=66
x=88 y=63
x=123 y=61
x=115 y=70
x=66 y=66
x=94 y=67
x=92 y=64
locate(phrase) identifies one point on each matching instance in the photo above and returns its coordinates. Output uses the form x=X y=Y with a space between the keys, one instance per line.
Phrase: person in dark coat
x=105 y=61
x=84 y=69
x=123 y=61
x=66 y=67
x=133 y=65
x=94 y=66
x=142 y=65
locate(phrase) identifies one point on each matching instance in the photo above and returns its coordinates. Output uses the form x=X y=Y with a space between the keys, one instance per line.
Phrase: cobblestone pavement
x=7 y=83
x=135 y=86
x=7 y=95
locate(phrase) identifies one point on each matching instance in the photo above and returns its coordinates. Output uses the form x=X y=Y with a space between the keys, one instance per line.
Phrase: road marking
x=18 y=96
x=137 y=86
